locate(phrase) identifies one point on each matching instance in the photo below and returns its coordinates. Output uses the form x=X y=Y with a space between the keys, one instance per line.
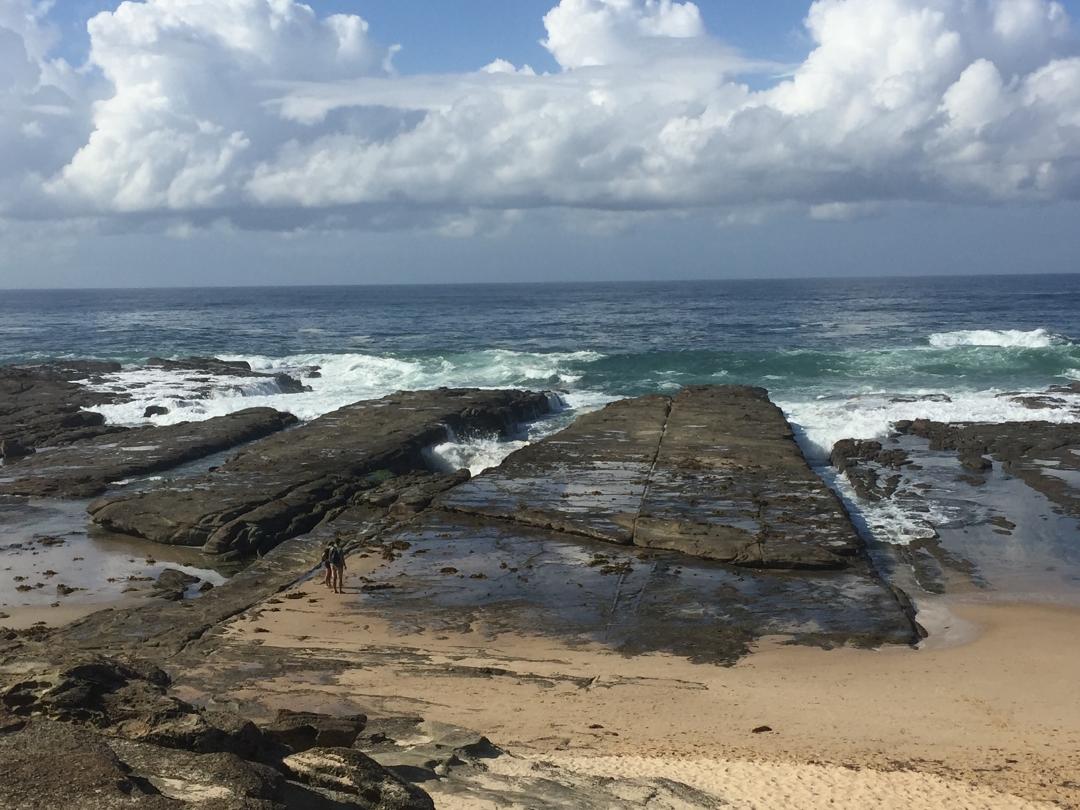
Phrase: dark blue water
x=813 y=343
x=825 y=315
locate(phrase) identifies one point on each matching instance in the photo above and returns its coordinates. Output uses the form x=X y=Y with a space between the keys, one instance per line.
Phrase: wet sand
x=986 y=715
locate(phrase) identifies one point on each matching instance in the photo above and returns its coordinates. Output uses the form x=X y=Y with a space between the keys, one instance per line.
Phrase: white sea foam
x=474 y=455
x=822 y=422
x=1005 y=338
x=343 y=379
x=887 y=520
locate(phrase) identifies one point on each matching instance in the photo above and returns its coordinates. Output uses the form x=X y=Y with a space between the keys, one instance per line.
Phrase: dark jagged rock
x=87 y=468
x=11 y=449
x=155 y=410
x=173 y=584
x=284 y=485
x=207 y=365
x=289 y=384
x=217 y=780
x=921 y=398
x=49 y=764
x=862 y=461
x=44 y=405
x=227 y=368
x=713 y=472
x=52 y=765
x=346 y=770
x=300 y=731
x=129 y=699
x=172 y=579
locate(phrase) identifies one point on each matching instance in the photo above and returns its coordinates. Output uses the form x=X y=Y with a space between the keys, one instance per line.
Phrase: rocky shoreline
x=689 y=525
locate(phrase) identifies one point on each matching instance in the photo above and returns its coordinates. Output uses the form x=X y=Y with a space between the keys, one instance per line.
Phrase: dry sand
x=986 y=716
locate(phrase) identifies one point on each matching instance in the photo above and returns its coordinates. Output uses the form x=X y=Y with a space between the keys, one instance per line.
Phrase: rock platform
x=689 y=525
x=88 y=467
x=285 y=485
x=713 y=472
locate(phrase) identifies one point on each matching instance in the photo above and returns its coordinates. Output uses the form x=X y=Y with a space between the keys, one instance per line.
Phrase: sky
x=227 y=142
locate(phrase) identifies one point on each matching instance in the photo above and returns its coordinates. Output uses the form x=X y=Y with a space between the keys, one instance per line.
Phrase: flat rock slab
x=457 y=573
x=714 y=472
x=286 y=484
x=588 y=479
x=86 y=468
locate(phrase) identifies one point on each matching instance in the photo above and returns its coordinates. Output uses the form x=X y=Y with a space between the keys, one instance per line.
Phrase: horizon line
x=541 y=282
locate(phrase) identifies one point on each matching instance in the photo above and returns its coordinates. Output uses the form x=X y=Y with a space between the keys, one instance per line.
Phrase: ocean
x=842 y=357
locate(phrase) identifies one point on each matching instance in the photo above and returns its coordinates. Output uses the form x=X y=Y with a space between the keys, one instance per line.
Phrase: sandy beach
x=984 y=716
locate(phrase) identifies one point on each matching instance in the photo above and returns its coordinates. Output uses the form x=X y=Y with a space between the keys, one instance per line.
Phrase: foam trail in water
x=1004 y=338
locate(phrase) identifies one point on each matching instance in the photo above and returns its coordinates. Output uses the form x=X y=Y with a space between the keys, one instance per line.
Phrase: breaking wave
x=335 y=380
x=822 y=422
x=1003 y=338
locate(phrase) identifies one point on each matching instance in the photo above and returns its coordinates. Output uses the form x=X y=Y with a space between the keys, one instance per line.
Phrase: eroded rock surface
x=347 y=770
x=713 y=472
x=1045 y=455
x=43 y=406
x=971 y=506
x=284 y=485
x=460 y=573
x=86 y=468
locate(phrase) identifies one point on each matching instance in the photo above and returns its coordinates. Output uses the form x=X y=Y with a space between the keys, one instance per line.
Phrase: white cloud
x=585 y=33
x=262 y=112
x=44 y=106
x=190 y=77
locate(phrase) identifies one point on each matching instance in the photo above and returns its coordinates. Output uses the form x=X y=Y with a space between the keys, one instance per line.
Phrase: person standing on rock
x=337 y=565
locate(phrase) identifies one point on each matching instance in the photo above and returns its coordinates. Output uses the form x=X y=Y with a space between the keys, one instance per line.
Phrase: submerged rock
x=1045 y=455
